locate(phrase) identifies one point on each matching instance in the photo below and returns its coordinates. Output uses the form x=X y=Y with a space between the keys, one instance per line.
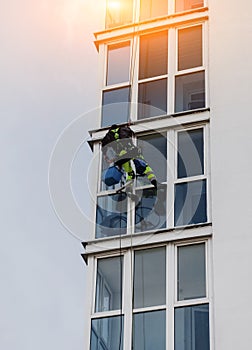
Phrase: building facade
x=153 y=263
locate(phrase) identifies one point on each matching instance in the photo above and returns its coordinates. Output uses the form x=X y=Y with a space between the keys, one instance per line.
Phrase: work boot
x=154 y=183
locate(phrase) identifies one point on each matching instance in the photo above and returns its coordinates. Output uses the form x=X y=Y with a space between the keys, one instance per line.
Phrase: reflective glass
x=190 y=91
x=149 y=330
x=192 y=328
x=190 y=47
x=111 y=215
x=153 y=55
x=107 y=333
x=191 y=272
x=152 y=98
x=190 y=153
x=183 y=5
x=154 y=149
x=190 y=203
x=118 y=63
x=149 y=277
x=109 y=284
x=115 y=106
x=150 y=8
x=118 y=12
x=150 y=212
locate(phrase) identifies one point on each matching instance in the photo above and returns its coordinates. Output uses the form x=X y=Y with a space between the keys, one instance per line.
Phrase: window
x=116 y=92
x=107 y=331
x=153 y=8
x=153 y=63
x=192 y=328
x=154 y=315
x=155 y=75
x=149 y=330
x=190 y=47
x=149 y=291
x=182 y=196
x=190 y=87
x=115 y=106
x=118 y=12
x=108 y=284
x=190 y=91
x=190 y=153
x=118 y=63
x=111 y=216
x=191 y=267
x=191 y=186
x=183 y=5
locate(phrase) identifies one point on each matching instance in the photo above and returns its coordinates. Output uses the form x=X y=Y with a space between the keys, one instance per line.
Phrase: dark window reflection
x=192 y=328
x=151 y=210
x=152 y=98
x=153 y=55
x=107 y=333
x=191 y=269
x=115 y=106
x=149 y=331
x=108 y=284
x=111 y=215
x=190 y=203
x=190 y=153
x=190 y=47
x=149 y=277
x=189 y=91
x=154 y=149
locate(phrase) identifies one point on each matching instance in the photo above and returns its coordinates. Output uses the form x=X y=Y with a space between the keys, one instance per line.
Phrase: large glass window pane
x=152 y=98
x=149 y=331
x=190 y=153
x=151 y=8
x=149 y=277
x=154 y=149
x=153 y=55
x=190 y=91
x=183 y=5
x=111 y=215
x=191 y=272
x=115 y=106
x=118 y=12
x=192 y=328
x=118 y=63
x=190 y=203
x=150 y=212
x=190 y=47
x=108 y=284
x=107 y=333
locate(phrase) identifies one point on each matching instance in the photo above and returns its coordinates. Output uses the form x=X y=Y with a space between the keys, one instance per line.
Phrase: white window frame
x=171 y=178
x=171 y=289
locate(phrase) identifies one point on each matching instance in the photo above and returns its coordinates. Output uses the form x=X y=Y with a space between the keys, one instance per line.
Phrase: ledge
x=117 y=243
x=157 y=123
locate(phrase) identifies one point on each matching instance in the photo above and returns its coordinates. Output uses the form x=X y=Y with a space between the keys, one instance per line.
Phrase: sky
x=49 y=81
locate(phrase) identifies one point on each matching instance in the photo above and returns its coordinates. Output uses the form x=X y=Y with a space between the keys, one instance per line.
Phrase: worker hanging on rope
x=118 y=148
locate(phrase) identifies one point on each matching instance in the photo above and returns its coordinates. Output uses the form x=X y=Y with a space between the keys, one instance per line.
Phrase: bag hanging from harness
x=111 y=176
x=140 y=165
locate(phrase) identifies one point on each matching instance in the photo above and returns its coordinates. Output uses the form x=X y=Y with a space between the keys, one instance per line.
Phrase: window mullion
x=171 y=176
x=171 y=69
x=134 y=77
x=170 y=296
x=127 y=300
x=208 y=171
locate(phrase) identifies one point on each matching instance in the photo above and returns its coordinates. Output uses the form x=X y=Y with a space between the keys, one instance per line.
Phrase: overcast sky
x=48 y=78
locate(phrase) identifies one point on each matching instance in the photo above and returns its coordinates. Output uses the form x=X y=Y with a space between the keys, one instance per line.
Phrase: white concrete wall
x=48 y=78
x=230 y=53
